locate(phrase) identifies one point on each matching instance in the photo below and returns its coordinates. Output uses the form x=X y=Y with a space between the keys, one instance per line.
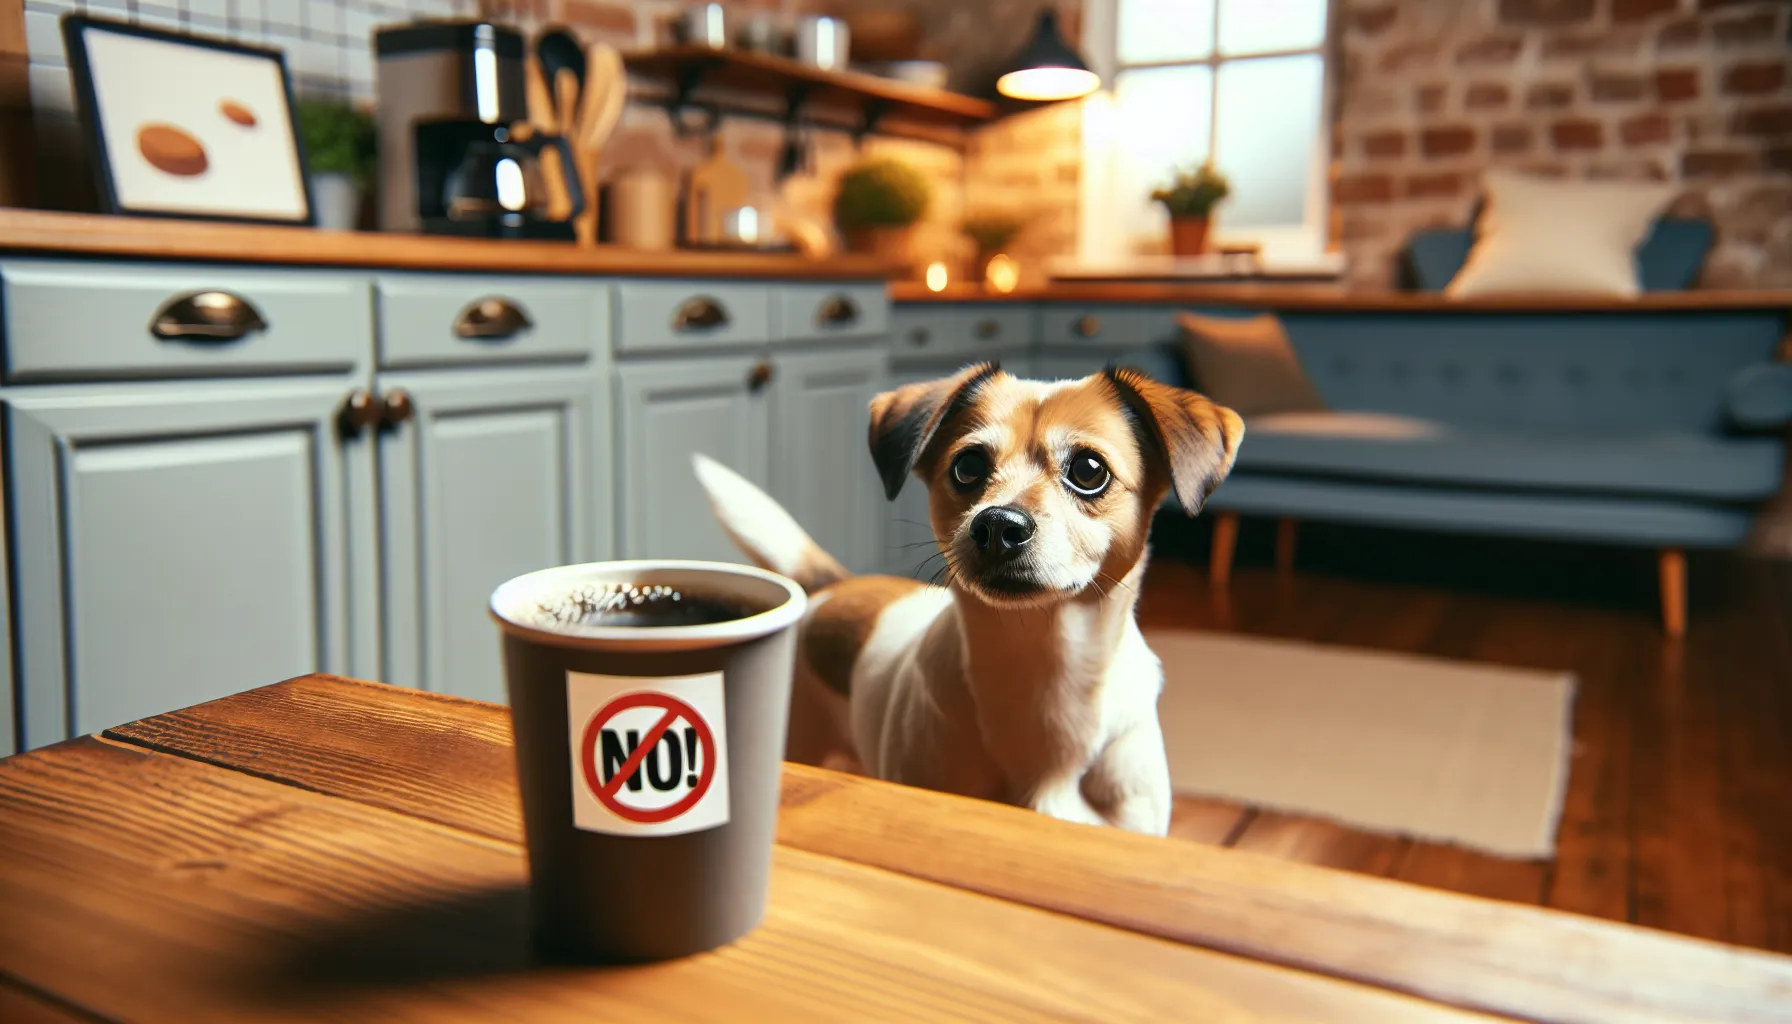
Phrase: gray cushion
x=1760 y=397
x=1371 y=447
x=1246 y=364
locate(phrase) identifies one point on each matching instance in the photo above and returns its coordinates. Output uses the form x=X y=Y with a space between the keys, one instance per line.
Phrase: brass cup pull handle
x=1088 y=326
x=760 y=376
x=919 y=336
x=491 y=319
x=212 y=316
x=987 y=329
x=837 y=311
x=699 y=313
x=362 y=409
x=398 y=407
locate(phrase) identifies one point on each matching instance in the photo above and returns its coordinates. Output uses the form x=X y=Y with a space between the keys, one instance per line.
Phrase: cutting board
x=714 y=187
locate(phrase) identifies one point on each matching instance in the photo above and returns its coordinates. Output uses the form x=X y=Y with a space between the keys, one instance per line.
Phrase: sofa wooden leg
x=1287 y=533
x=1225 y=541
x=1672 y=569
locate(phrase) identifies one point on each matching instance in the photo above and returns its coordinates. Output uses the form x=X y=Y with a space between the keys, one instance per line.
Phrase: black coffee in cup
x=636 y=604
x=648 y=703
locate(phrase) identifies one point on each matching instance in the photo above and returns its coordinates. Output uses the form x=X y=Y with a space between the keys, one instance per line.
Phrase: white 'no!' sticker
x=649 y=755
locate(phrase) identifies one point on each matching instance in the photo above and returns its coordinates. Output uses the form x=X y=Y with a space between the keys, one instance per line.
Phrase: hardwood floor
x=1679 y=808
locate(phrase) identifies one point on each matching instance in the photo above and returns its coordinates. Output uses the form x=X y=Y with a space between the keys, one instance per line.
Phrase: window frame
x=1102 y=237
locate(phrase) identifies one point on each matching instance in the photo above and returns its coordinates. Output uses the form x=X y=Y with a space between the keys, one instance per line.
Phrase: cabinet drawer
x=984 y=330
x=440 y=321
x=810 y=312
x=1102 y=326
x=670 y=316
x=75 y=321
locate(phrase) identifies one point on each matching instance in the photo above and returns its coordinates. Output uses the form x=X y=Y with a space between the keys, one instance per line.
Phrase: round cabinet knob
x=361 y=410
x=760 y=376
x=919 y=336
x=987 y=329
x=1088 y=326
x=399 y=407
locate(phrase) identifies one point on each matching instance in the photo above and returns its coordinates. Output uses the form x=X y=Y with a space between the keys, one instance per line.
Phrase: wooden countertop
x=330 y=848
x=1336 y=298
x=44 y=232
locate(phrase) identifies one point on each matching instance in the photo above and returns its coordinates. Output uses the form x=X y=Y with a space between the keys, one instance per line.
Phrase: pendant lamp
x=1048 y=69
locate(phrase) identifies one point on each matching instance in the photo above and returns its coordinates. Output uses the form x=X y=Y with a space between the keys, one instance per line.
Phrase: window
x=1242 y=81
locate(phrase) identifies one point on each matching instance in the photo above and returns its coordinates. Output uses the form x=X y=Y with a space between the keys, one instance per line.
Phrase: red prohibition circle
x=675 y=709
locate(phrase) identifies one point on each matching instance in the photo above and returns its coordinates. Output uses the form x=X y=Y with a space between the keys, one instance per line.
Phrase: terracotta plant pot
x=1188 y=236
x=893 y=245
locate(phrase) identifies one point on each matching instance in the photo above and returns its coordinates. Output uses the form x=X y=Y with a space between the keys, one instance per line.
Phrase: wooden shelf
x=68 y=234
x=859 y=103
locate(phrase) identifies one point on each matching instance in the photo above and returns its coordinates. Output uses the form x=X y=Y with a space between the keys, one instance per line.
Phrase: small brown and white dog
x=1025 y=679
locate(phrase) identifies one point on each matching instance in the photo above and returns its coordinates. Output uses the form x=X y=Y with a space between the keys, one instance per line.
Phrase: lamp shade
x=1047 y=69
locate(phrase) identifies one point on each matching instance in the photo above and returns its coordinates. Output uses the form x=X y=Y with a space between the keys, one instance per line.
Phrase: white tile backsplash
x=51 y=89
x=290 y=13
x=43 y=37
x=323 y=18
x=158 y=17
x=245 y=14
x=208 y=12
x=327 y=43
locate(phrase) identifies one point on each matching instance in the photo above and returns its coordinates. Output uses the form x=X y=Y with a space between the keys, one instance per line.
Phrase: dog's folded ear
x=1196 y=439
x=904 y=421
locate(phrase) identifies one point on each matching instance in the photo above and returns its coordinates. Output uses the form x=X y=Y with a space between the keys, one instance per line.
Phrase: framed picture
x=189 y=127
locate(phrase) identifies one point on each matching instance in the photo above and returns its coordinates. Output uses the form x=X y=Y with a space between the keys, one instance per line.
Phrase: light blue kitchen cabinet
x=666 y=411
x=483 y=475
x=178 y=542
x=821 y=468
x=9 y=736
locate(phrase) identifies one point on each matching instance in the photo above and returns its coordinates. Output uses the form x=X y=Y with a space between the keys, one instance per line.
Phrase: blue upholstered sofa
x=1657 y=423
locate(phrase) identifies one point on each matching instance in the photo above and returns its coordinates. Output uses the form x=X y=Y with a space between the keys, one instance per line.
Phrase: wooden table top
x=332 y=849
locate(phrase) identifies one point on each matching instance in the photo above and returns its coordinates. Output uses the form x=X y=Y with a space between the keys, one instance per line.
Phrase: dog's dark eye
x=1088 y=475
x=970 y=468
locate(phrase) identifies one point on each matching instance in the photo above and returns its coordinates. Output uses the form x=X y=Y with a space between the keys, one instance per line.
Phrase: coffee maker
x=483 y=181
x=432 y=71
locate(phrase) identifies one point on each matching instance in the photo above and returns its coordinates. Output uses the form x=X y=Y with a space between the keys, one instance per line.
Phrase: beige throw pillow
x=1247 y=365
x=1541 y=234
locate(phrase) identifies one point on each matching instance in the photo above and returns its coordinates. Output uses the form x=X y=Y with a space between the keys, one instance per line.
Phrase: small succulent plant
x=881 y=193
x=991 y=232
x=1194 y=193
x=338 y=138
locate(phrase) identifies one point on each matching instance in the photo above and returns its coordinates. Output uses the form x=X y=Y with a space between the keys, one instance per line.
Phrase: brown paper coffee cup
x=648 y=757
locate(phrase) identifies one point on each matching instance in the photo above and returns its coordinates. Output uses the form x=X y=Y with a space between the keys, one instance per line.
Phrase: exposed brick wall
x=1697 y=92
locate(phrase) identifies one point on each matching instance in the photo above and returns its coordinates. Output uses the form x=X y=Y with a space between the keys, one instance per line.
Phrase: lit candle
x=936 y=277
x=1002 y=274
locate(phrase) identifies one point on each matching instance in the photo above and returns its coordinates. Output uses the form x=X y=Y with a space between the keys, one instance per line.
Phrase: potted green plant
x=877 y=204
x=339 y=145
x=1190 y=198
x=991 y=234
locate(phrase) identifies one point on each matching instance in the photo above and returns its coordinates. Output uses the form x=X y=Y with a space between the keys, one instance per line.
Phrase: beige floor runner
x=1439 y=750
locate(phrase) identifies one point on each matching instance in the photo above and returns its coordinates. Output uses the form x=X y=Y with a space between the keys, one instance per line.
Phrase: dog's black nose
x=1001 y=533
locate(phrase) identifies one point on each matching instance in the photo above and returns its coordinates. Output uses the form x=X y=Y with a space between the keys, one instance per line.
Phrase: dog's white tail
x=761 y=528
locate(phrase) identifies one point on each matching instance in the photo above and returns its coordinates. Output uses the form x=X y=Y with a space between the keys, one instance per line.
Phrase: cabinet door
x=492 y=474
x=909 y=547
x=670 y=409
x=821 y=455
x=179 y=543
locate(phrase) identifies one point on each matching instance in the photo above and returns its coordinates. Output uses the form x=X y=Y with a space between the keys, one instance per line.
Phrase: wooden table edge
x=809 y=787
